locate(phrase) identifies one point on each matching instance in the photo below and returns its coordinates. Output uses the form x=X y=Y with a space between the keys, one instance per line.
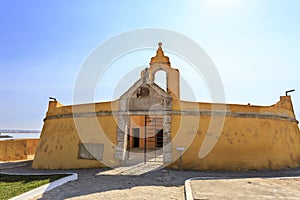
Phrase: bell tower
x=162 y=62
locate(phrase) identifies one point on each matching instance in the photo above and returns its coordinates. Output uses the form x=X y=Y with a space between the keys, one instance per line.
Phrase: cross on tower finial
x=159 y=44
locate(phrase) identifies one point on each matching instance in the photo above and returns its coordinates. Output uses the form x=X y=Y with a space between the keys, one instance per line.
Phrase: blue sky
x=254 y=44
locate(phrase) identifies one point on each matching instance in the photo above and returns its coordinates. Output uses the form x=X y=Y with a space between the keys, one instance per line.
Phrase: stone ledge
x=178 y=112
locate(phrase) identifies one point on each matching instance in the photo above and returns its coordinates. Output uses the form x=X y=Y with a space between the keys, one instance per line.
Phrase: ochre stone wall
x=62 y=135
x=253 y=137
x=17 y=149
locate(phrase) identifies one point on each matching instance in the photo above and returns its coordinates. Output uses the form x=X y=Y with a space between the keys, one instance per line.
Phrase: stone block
x=120 y=136
x=122 y=104
x=91 y=151
x=167 y=128
x=167 y=119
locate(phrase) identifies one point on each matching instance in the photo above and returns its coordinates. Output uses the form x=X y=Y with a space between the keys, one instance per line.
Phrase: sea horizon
x=19 y=134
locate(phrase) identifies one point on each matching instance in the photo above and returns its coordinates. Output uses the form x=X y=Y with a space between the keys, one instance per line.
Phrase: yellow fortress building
x=148 y=123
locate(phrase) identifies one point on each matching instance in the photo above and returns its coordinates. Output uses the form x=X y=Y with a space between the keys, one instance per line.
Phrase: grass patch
x=13 y=185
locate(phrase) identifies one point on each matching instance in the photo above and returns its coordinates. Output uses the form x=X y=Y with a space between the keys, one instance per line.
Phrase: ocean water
x=21 y=136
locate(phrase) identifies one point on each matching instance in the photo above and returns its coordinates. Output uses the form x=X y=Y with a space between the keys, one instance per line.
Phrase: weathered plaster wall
x=62 y=135
x=17 y=149
x=253 y=137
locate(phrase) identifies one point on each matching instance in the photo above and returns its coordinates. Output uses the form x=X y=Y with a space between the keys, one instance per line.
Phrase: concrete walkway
x=248 y=188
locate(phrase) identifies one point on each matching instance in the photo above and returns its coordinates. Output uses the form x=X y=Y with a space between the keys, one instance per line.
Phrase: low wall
x=17 y=149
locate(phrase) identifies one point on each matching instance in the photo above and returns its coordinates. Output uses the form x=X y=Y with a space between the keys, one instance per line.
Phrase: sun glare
x=222 y=4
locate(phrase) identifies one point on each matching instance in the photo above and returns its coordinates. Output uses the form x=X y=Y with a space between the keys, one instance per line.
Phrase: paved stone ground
x=249 y=188
x=169 y=184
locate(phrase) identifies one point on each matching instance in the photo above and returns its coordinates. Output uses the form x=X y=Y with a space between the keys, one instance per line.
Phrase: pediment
x=145 y=89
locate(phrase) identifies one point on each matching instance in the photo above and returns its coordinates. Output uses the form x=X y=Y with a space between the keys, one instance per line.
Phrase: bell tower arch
x=162 y=62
